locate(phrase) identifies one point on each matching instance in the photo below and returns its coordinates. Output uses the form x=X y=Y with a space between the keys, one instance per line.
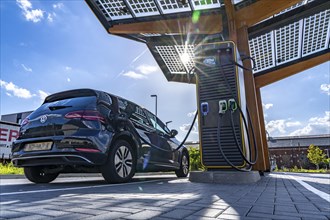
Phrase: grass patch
x=301 y=170
x=9 y=168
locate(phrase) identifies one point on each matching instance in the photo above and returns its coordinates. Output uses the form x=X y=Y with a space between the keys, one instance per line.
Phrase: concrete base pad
x=225 y=177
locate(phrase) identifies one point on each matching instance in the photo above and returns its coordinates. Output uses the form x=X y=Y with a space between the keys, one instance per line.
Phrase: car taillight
x=86 y=115
x=25 y=122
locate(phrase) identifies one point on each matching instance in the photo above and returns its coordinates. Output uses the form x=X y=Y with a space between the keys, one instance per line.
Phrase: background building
x=292 y=150
x=15 y=117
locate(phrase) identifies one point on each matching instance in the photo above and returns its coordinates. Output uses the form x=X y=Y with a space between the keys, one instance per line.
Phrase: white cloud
x=34 y=15
x=14 y=90
x=134 y=75
x=185 y=127
x=276 y=125
x=143 y=71
x=147 y=69
x=51 y=16
x=68 y=68
x=191 y=114
x=267 y=106
x=27 y=69
x=293 y=123
x=58 y=5
x=325 y=88
x=316 y=125
x=42 y=95
x=68 y=79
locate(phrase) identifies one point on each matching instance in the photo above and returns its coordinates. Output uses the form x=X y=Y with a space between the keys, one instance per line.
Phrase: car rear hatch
x=63 y=114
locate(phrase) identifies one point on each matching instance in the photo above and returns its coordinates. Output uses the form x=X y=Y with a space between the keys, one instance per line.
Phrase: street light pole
x=155 y=96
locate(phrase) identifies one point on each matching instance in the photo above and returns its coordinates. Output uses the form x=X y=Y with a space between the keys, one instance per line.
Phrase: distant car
x=92 y=131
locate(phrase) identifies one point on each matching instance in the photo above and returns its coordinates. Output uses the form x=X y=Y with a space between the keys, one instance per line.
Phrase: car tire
x=121 y=164
x=184 y=165
x=37 y=175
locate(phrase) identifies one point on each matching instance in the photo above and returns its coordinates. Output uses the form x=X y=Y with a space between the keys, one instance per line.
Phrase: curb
x=75 y=175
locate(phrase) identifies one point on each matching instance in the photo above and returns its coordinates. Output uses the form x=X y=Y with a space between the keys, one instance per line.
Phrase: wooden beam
x=268 y=78
x=206 y=24
x=251 y=100
x=230 y=11
x=260 y=10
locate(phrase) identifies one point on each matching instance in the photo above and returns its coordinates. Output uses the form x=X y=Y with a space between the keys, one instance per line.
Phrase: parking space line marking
x=76 y=188
x=320 y=193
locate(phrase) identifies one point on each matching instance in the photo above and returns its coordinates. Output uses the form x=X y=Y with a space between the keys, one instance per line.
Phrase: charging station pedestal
x=220 y=94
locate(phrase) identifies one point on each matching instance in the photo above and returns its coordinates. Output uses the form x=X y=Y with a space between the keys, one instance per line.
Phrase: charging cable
x=233 y=107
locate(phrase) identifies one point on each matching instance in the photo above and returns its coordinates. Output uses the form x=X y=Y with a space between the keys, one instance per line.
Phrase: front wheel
x=121 y=163
x=37 y=175
x=184 y=166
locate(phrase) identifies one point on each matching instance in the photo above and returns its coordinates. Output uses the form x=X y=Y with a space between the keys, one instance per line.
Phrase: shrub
x=9 y=168
x=195 y=159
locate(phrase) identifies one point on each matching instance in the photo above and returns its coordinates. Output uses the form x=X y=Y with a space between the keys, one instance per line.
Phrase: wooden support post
x=254 y=105
x=263 y=131
x=240 y=37
x=230 y=11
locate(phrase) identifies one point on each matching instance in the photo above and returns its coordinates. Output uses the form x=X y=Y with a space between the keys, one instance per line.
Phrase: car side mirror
x=174 y=133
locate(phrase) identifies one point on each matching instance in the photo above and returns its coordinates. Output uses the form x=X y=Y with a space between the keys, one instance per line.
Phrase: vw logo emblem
x=43 y=119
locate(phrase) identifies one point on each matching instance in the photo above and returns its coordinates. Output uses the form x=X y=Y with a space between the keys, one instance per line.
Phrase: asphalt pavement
x=276 y=196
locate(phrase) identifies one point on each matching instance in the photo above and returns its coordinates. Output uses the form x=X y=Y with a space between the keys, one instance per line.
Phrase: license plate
x=41 y=146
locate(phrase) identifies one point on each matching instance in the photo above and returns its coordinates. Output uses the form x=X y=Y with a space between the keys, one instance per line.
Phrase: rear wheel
x=184 y=165
x=121 y=163
x=37 y=175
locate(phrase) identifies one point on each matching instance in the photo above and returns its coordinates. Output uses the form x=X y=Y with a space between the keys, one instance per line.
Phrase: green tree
x=316 y=155
x=327 y=162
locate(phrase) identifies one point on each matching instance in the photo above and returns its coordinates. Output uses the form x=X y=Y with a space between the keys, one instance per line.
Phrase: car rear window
x=70 y=102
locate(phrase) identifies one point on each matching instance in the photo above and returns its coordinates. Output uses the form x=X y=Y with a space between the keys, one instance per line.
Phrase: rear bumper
x=46 y=160
x=62 y=152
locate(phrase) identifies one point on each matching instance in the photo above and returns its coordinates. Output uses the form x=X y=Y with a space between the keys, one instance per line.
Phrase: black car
x=86 y=130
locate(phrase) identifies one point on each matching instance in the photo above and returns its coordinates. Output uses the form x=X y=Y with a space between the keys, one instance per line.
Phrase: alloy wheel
x=123 y=161
x=185 y=164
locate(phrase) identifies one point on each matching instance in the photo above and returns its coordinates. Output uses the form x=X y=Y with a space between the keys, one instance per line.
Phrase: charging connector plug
x=232 y=104
x=223 y=107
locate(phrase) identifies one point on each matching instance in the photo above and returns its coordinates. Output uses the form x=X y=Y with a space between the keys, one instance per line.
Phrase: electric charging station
x=176 y=33
x=220 y=90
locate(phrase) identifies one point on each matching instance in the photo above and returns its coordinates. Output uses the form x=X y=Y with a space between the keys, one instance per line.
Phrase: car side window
x=136 y=115
x=156 y=123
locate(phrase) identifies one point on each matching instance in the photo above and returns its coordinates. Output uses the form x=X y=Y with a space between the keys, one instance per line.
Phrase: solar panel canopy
x=296 y=33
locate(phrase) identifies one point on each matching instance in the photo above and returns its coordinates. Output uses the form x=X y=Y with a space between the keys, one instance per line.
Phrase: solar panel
x=316 y=33
x=171 y=59
x=173 y=6
x=143 y=8
x=292 y=7
x=150 y=34
x=186 y=54
x=113 y=9
x=205 y=4
x=285 y=41
x=288 y=40
x=262 y=50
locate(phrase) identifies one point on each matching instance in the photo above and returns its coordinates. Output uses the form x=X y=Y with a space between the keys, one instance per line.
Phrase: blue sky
x=51 y=46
